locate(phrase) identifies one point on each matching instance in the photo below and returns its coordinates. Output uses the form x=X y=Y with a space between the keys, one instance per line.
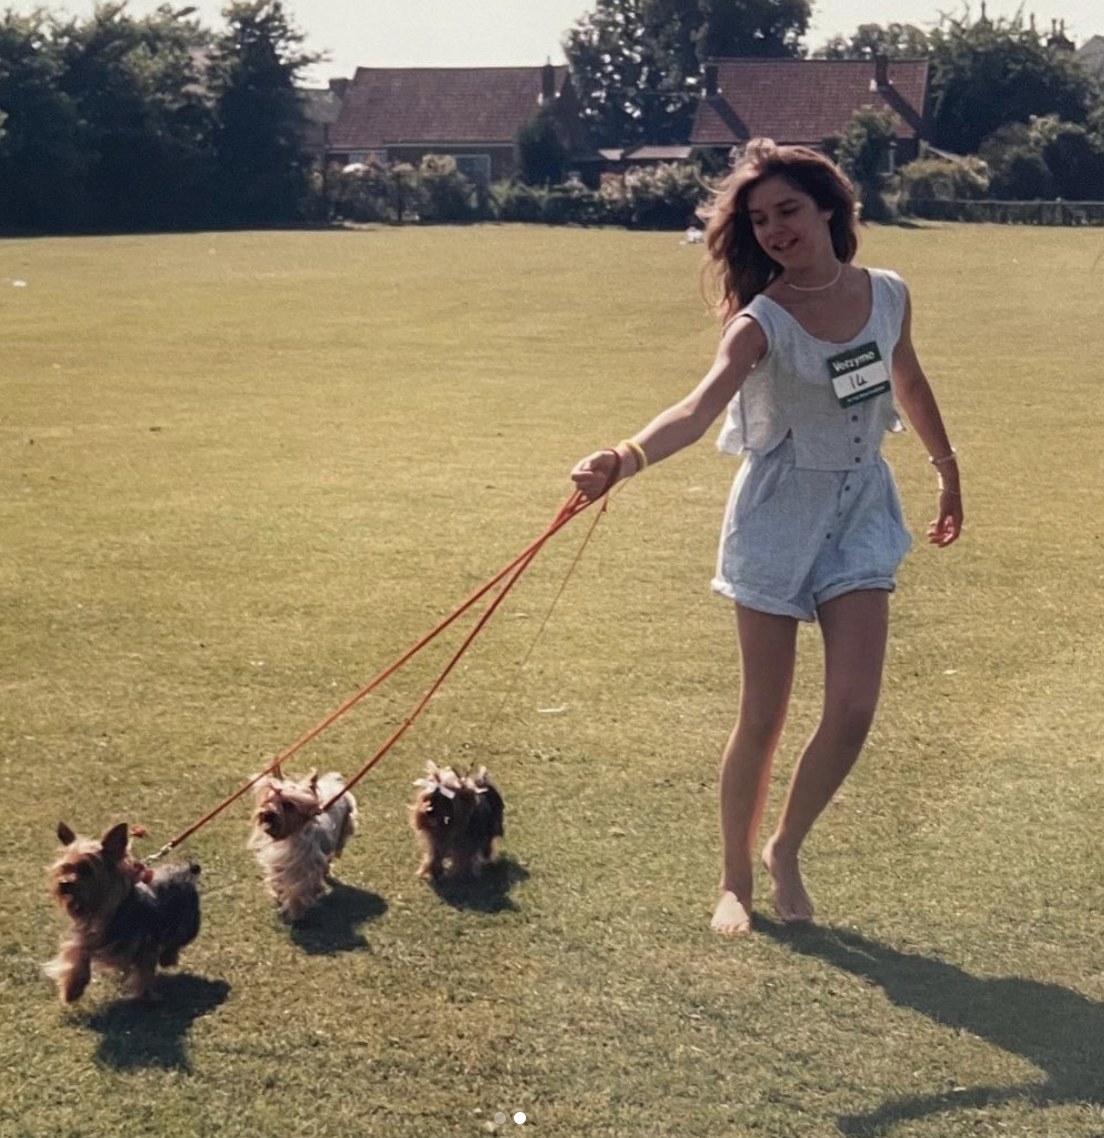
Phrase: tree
x=637 y=64
x=40 y=160
x=771 y=28
x=261 y=164
x=863 y=154
x=895 y=41
x=144 y=120
x=542 y=157
x=989 y=73
x=621 y=74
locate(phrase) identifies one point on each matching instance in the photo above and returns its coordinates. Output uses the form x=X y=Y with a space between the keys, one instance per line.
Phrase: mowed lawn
x=241 y=473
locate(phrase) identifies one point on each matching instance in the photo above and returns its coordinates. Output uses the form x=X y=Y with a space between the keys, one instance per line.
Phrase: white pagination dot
x=519 y=1118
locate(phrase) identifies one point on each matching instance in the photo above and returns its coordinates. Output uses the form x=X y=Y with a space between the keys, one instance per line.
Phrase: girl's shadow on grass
x=137 y=1035
x=487 y=893
x=333 y=925
x=1056 y=1029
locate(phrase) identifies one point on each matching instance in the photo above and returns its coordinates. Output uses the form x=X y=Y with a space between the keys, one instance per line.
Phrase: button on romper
x=814 y=512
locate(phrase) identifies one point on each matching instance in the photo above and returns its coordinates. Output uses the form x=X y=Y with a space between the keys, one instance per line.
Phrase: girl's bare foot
x=791 y=902
x=731 y=917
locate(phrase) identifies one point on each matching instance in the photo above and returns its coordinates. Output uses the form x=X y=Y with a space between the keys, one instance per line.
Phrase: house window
x=362 y=156
x=475 y=167
x=888 y=162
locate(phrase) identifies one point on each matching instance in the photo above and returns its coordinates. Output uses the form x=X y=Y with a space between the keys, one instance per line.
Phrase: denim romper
x=814 y=512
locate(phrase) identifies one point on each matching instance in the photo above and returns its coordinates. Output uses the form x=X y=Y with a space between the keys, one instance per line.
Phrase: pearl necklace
x=816 y=288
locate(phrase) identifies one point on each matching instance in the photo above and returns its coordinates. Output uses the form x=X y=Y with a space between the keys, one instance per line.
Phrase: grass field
x=240 y=473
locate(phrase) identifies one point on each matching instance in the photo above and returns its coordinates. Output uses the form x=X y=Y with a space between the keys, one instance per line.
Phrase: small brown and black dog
x=457 y=819
x=295 y=840
x=123 y=916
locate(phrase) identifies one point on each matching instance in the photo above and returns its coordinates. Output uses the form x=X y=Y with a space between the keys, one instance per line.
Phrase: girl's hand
x=596 y=473
x=947 y=527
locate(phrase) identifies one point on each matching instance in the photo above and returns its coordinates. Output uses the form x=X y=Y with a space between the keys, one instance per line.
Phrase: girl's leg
x=854 y=628
x=767 y=647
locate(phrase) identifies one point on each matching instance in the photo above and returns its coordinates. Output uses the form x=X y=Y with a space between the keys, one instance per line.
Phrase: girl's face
x=786 y=222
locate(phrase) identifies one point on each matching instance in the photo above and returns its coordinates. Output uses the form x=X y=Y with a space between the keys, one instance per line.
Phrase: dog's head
x=90 y=878
x=444 y=800
x=488 y=800
x=284 y=807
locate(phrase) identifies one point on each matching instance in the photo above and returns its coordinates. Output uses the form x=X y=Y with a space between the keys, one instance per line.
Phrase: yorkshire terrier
x=457 y=819
x=124 y=917
x=295 y=840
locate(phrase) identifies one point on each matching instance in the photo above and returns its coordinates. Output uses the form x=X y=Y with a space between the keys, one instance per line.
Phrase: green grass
x=239 y=473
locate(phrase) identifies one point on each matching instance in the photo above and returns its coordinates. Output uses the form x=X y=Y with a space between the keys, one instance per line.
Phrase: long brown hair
x=736 y=260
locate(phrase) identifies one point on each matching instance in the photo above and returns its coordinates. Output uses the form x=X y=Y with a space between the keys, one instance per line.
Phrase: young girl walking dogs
x=814 y=353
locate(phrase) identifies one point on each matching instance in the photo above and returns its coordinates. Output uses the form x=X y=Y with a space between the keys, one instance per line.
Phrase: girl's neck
x=815 y=278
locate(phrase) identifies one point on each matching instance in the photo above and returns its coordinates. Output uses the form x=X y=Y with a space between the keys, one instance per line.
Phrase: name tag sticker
x=858 y=373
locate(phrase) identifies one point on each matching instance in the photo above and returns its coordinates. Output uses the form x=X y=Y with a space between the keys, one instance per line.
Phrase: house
x=1091 y=57
x=808 y=102
x=473 y=114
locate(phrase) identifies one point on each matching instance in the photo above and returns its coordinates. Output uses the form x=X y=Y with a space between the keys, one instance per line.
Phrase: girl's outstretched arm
x=742 y=346
x=916 y=398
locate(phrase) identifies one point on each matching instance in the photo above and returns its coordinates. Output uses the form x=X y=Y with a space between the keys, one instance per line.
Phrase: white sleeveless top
x=800 y=386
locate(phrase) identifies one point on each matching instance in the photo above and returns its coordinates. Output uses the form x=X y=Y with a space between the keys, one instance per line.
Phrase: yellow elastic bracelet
x=637 y=452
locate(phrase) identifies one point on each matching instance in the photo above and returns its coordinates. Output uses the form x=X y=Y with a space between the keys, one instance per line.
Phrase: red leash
x=511 y=573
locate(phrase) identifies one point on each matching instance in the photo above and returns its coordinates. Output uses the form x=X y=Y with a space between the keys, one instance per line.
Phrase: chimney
x=548 y=82
x=338 y=87
x=711 y=87
x=881 y=71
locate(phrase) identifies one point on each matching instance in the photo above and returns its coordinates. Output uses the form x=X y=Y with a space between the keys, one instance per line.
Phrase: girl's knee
x=849 y=723
x=759 y=732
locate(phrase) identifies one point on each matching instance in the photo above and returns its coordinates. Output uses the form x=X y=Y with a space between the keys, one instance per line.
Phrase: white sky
x=470 y=33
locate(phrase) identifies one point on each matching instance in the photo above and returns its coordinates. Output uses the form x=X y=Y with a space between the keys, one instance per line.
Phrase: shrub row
x=660 y=197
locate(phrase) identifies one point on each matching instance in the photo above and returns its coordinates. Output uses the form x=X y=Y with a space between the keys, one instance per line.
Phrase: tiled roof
x=391 y=106
x=805 y=100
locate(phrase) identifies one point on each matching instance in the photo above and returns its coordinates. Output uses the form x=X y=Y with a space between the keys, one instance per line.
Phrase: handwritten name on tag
x=858 y=373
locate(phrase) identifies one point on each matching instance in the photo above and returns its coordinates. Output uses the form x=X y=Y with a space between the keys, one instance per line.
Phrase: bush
x=1022 y=176
x=659 y=197
x=443 y=193
x=361 y=192
x=940 y=179
x=515 y=201
x=433 y=191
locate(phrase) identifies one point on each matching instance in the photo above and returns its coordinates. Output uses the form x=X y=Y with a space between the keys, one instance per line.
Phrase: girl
x=814 y=352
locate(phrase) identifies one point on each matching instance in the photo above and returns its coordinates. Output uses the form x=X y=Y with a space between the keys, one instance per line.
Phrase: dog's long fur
x=122 y=917
x=456 y=819
x=295 y=841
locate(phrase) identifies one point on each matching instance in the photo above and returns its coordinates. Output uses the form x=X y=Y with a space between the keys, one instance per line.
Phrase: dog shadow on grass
x=487 y=893
x=334 y=924
x=136 y=1035
x=1054 y=1028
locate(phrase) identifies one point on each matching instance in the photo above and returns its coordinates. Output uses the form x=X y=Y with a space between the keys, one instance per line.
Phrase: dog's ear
x=65 y=835
x=277 y=772
x=115 y=842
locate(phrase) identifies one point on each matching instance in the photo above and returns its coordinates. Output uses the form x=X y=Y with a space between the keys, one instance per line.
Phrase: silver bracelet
x=951 y=456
